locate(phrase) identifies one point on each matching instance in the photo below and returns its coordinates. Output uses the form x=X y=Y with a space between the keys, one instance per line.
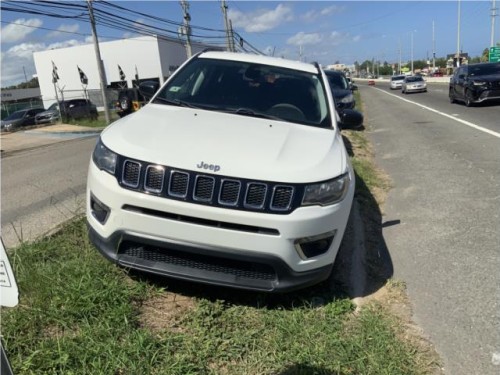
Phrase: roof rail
x=316 y=64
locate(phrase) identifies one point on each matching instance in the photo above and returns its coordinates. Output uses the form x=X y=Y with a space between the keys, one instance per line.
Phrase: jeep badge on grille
x=210 y=167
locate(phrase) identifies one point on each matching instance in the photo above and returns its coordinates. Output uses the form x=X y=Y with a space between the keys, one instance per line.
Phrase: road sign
x=494 y=54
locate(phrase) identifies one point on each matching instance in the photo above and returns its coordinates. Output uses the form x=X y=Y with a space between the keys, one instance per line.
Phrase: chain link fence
x=7 y=108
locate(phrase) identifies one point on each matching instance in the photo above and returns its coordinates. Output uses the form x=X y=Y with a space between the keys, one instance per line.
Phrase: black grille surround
x=208 y=189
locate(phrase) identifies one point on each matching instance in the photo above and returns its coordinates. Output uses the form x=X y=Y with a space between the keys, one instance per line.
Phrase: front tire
x=452 y=97
x=469 y=101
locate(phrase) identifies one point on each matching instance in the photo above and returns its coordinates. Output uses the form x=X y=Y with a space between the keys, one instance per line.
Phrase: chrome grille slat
x=131 y=173
x=282 y=198
x=229 y=192
x=203 y=188
x=179 y=182
x=154 y=179
x=255 y=195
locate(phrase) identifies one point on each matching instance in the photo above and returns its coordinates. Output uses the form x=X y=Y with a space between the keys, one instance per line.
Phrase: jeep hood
x=241 y=146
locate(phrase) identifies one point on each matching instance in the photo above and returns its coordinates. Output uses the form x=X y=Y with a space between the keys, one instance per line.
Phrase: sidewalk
x=42 y=136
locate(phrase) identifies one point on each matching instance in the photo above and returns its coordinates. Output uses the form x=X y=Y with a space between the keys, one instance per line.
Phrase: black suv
x=72 y=109
x=475 y=83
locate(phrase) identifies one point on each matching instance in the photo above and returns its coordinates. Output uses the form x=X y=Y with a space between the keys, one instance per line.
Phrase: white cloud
x=64 y=29
x=262 y=19
x=19 y=29
x=313 y=15
x=302 y=38
x=21 y=56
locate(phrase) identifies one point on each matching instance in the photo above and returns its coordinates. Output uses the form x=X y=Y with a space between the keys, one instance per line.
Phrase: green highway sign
x=494 y=54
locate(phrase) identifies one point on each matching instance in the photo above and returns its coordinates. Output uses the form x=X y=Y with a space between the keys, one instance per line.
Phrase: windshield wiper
x=249 y=112
x=176 y=102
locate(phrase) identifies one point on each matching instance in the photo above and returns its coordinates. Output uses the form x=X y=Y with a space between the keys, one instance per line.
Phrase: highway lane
x=446 y=194
x=486 y=114
x=42 y=188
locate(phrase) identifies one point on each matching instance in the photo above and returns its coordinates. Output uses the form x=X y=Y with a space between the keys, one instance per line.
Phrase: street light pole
x=458 y=36
x=99 y=63
x=412 y=52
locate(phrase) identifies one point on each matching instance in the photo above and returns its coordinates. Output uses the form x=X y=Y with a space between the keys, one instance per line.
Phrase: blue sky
x=323 y=31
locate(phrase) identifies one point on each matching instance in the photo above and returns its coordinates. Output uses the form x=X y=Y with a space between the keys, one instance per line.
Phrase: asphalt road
x=444 y=162
x=43 y=187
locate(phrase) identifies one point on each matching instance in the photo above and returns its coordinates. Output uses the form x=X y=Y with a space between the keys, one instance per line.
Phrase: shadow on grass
x=302 y=369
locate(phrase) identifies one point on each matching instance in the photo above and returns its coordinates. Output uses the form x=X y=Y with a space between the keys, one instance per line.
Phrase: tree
x=25 y=85
x=486 y=55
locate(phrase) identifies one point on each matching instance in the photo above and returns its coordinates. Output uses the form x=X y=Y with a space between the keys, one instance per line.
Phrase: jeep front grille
x=214 y=190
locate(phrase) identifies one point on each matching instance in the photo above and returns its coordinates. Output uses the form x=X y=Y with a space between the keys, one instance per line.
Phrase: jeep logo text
x=210 y=167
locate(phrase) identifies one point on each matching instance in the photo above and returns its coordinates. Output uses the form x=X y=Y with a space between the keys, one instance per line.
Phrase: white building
x=153 y=57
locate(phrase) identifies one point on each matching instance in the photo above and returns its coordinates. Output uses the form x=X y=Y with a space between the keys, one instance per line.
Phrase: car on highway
x=413 y=84
x=397 y=81
x=23 y=117
x=475 y=83
x=341 y=89
x=235 y=174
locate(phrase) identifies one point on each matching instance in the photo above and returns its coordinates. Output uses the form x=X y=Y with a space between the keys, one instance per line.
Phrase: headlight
x=104 y=158
x=347 y=99
x=479 y=83
x=326 y=193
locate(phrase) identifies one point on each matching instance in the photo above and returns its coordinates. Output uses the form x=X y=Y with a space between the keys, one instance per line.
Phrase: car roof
x=259 y=59
x=333 y=72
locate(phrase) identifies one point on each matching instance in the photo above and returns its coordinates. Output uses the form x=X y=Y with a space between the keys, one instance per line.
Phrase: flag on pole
x=136 y=74
x=83 y=77
x=122 y=75
x=55 y=76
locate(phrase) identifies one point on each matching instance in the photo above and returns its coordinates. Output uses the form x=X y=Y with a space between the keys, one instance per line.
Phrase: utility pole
x=186 y=28
x=99 y=63
x=458 y=36
x=433 y=49
x=226 y=24
x=412 y=52
x=493 y=15
x=399 y=72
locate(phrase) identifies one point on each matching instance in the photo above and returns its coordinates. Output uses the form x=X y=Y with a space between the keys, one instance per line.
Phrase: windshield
x=16 y=115
x=483 y=70
x=414 y=79
x=52 y=107
x=397 y=78
x=249 y=89
x=337 y=81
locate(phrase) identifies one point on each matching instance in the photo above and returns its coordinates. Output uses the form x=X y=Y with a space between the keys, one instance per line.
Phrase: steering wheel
x=287 y=111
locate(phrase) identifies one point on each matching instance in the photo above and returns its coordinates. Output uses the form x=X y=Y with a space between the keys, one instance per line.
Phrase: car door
x=459 y=84
x=29 y=117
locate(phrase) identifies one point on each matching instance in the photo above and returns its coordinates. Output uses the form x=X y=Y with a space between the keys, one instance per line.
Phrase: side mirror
x=350 y=119
x=354 y=87
x=148 y=89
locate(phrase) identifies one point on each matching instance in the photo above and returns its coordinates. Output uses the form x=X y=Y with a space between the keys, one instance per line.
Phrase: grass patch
x=99 y=123
x=80 y=314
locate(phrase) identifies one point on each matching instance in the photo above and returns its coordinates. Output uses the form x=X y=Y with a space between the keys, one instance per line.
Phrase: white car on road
x=397 y=81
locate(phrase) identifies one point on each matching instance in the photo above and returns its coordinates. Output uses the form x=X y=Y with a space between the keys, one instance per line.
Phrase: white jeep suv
x=234 y=174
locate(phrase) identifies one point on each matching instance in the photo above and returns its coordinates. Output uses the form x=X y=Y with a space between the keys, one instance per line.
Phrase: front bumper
x=212 y=245
x=486 y=94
